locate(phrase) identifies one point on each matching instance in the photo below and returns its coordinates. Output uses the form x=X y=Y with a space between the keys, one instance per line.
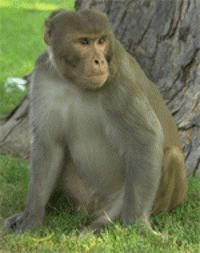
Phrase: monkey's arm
x=143 y=162
x=46 y=164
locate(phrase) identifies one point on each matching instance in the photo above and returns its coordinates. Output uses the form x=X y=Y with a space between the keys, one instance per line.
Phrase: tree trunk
x=15 y=131
x=164 y=37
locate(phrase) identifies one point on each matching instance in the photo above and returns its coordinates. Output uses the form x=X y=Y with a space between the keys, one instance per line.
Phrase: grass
x=21 y=31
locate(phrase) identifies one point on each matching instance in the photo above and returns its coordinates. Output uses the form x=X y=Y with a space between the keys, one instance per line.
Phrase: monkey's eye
x=84 y=41
x=102 y=40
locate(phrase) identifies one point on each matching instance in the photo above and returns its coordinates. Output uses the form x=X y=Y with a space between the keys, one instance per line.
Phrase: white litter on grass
x=13 y=83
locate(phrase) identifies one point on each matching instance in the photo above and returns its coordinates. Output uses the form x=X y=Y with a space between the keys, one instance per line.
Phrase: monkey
x=101 y=130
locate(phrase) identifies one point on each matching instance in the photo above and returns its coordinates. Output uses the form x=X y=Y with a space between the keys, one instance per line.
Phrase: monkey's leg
x=46 y=166
x=173 y=185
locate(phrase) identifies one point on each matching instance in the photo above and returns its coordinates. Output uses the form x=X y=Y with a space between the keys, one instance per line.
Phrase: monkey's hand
x=20 y=222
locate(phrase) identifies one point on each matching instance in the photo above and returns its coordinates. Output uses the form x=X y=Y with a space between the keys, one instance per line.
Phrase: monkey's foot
x=19 y=223
x=87 y=231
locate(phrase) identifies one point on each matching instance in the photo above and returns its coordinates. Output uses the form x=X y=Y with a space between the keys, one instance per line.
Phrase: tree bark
x=15 y=133
x=164 y=37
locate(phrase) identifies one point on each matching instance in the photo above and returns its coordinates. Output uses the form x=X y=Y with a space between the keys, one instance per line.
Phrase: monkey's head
x=82 y=46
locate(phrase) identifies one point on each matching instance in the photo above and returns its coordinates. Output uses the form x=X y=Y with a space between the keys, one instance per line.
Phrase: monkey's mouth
x=97 y=81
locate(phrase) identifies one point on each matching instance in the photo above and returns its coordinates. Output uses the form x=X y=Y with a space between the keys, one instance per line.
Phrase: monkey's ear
x=47 y=32
x=48 y=25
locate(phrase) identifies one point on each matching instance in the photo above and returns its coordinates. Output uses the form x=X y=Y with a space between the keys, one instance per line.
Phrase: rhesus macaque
x=101 y=130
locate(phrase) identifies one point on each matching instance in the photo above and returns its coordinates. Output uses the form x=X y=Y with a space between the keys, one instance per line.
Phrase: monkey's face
x=83 y=58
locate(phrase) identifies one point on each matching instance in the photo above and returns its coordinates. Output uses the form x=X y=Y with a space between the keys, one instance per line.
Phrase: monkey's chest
x=98 y=162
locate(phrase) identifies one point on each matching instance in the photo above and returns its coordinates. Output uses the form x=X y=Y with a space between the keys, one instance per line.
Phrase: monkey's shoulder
x=42 y=58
